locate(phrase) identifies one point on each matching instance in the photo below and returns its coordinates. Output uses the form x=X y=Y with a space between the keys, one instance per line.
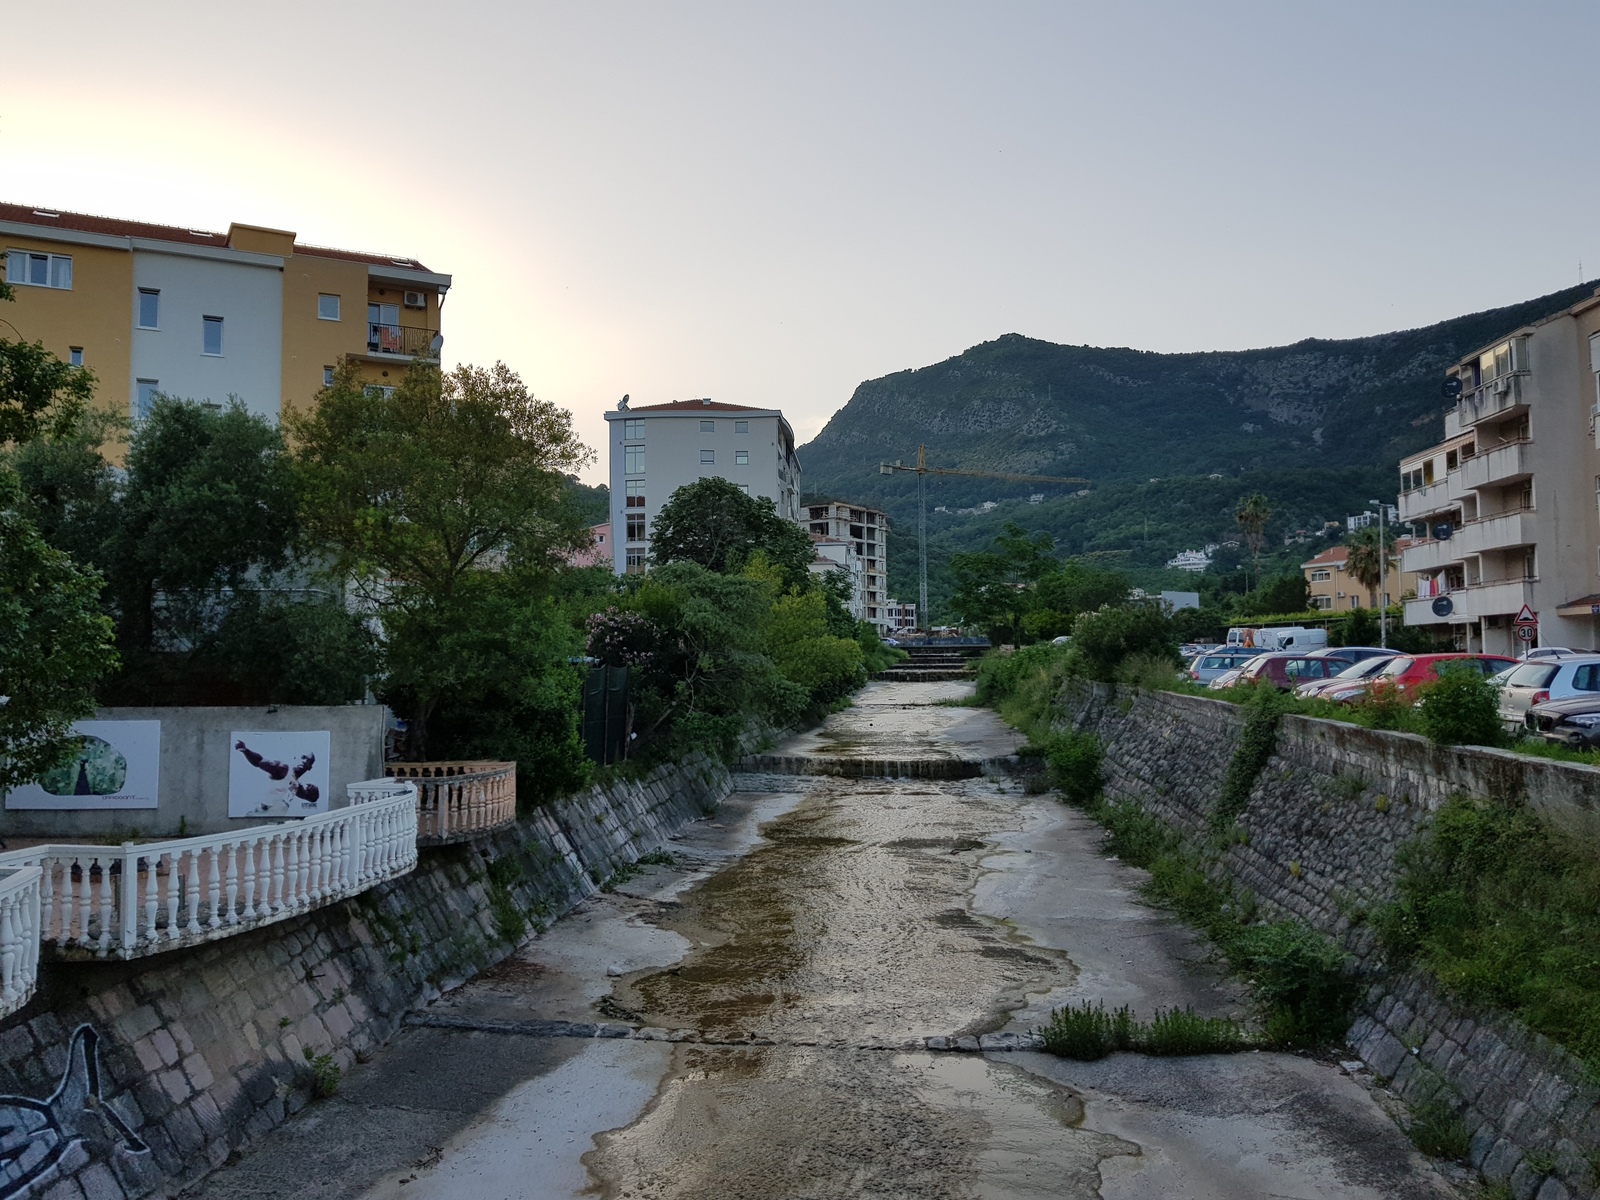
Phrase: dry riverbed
x=763 y=1004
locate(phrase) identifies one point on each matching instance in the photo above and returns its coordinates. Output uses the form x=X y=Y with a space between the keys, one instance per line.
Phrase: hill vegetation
x=1170 y=442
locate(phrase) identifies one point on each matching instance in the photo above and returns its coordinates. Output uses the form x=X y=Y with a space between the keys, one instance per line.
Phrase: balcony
x=1499 y=531
x=401 y=341
x=1501 y=465
x=1499 y=597
x=1430 y=554
x=1496 y=398
x=1422 y=503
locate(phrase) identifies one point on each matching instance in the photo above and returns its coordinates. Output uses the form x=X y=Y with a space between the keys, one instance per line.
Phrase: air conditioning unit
x=1501 y=385
x=416 y=300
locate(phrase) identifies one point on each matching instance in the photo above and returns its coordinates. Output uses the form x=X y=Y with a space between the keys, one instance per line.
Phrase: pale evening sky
x=767 y=204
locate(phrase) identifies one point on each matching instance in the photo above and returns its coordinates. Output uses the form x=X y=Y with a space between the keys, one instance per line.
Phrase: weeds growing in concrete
x=1437 y=1131
x=1088 y=1032
x=1504 y=910
x=325 y=1074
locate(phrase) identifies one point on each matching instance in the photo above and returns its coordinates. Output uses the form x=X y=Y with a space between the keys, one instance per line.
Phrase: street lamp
x=1383 y=580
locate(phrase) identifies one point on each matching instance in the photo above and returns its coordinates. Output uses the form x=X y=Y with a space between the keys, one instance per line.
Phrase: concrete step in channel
x=874 y=768
x=922 y=675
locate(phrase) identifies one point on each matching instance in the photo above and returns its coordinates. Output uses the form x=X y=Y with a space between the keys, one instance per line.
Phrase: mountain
x=1321 y=423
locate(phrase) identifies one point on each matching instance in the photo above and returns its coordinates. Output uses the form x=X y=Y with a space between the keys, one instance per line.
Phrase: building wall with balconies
x=1514 y=489
x=867 y=529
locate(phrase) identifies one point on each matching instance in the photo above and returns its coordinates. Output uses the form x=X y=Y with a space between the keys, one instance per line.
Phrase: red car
x=1287 y=669
x=1410 y=671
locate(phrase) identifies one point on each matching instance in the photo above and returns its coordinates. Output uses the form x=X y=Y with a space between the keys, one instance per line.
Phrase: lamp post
x=1383 y=581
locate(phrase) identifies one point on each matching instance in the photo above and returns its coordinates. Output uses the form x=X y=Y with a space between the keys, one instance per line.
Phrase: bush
x=1437 y=1131
x=1087 y=1032
x=1075 y=760
x=1301 y=978
x=1108 y=636
x=292 y=653
x=1461 y=709
x=1259 y=739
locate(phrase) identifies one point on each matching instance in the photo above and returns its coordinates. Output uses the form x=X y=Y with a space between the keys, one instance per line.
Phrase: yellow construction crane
x=922 y=471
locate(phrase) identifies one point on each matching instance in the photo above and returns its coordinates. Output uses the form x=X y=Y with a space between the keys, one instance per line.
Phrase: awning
x=1583 y=606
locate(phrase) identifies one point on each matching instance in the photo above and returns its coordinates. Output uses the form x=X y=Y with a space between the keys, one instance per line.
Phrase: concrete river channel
x=765 y=1002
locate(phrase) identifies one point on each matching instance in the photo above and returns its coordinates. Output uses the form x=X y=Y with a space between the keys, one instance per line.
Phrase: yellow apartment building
x=203 y=315
x=1333 y=589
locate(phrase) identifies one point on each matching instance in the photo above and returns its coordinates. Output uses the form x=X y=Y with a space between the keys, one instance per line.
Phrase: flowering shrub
x=620 y=638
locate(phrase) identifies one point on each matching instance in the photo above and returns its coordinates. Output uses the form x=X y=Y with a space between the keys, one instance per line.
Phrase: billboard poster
x=118 y=765
x=277 y=773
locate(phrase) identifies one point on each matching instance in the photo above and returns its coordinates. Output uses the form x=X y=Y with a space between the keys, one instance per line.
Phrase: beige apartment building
x=1333 y=589
x=1506 y=505
x=867 y=530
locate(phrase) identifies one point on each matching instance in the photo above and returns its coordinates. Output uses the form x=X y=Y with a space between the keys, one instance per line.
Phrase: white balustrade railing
x=19 y=936
x=143 y=897
x=458 y=799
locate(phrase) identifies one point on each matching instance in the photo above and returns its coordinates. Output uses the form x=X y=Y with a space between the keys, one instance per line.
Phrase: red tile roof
x=697 y=406
x=117 y=227
x=1330 y=556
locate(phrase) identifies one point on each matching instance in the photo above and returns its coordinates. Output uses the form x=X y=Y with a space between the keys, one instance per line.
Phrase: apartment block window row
x=30 y=268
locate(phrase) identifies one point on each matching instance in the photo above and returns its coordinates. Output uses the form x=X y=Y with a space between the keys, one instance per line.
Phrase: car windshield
x=1532 y=675
x=1364 y=668
x=1398 y=666
x=1216 y=662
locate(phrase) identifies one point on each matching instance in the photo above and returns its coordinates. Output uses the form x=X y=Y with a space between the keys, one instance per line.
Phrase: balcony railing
x=1496 y=597
x=458 y=800
x=142 y=898
x=401 y=341
x=1492 y=399
x=19 y=936
x=1499 y=465
x=1421 y=503
x=1496 y=531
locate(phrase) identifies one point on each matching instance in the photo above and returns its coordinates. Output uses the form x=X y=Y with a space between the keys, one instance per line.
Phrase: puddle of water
x=791 y=1122
x=850 y=925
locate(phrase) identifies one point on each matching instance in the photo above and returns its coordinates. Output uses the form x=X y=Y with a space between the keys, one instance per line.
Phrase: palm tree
x=1252 y=515
x=1364 y=564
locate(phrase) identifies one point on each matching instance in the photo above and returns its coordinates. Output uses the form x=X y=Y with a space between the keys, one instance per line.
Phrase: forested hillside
x=1168 y=441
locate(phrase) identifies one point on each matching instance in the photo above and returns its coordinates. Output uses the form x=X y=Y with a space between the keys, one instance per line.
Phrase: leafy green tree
x=450 y=474
x=1287 y=594
x=39 y=394
x=806 y=653
x=1079 y=586
x=208 y=510
x=1251 y=515
x=291 y=652
x=1365 y=563
x=995 y=588
x=712 y=523
x=1104 y=639
x=70 y=488
x=55 y=643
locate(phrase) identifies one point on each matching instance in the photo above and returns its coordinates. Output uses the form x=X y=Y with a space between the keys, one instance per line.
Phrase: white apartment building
x=867 y=530
x=1507 y=502
x=836 y=554
x=658 y=448
x=902 y=616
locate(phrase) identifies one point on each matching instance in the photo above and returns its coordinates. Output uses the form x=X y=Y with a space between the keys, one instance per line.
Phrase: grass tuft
x=1087 y=1032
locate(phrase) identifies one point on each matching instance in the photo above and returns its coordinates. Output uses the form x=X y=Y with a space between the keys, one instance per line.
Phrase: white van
x=1290 y=637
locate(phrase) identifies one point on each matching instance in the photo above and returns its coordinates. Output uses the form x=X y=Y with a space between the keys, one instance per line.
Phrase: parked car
x=1352 y=653
x=1365 y=669
x=1552 y=652
x=1277 y=637
x=1574 y=722
x=1407 y=672
x=1228 y=678
x=1540 y=679
x=1285 y=670
x=1209 y=666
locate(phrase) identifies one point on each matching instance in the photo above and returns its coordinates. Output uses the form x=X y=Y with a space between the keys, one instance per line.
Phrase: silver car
x=1541 y=679
x=1207 y=667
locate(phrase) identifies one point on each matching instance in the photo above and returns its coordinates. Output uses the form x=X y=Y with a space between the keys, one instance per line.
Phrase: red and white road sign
x=1526 y=624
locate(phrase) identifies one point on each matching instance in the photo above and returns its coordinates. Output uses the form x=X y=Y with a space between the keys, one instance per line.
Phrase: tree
x=1364 y=564
x=55 y=643
x=38 y=392
x=712 y=523
x=450 y=474
x=1251 y=515
x=208 y=511
x=994 y=588
x=1108 y=637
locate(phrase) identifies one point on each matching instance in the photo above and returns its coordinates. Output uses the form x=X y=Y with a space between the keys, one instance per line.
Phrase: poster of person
x=118 y=765
x=278 y=774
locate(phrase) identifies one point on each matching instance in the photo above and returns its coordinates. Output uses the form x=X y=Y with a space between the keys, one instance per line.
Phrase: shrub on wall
x=1108 y=636
x=1075 y=760
x=1461 y=709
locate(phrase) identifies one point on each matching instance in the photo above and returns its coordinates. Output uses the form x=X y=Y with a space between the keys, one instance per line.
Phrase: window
x=633 y=430
x=149 y=308
x=1321 y=576
x=633 y=460
x=708 y=426
x=745 y=488
x=741 y=426
x=33 y=269
x=820 y=527
x=818 y=514
x=145 y=398
x=75 y=355
x=636 y=561
x=211 y=335
x=327 y=307
x=327 y=376
x=1586 y=678
x=377 y=390
x=634 y=490
x=708 y=456
x=741 y=458
x=635 y=527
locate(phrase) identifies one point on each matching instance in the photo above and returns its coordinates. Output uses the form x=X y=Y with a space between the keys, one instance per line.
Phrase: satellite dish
x=1451 y=388
x=1443 y=606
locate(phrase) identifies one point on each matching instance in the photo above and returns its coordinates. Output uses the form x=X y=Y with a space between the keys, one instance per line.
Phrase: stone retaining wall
x=1321 y=829
x=201 y=1052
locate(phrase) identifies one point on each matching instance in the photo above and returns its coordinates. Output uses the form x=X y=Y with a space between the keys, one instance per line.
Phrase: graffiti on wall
x=35 y=1135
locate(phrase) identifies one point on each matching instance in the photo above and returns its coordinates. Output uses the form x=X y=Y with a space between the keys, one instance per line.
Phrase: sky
x=767 y=203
